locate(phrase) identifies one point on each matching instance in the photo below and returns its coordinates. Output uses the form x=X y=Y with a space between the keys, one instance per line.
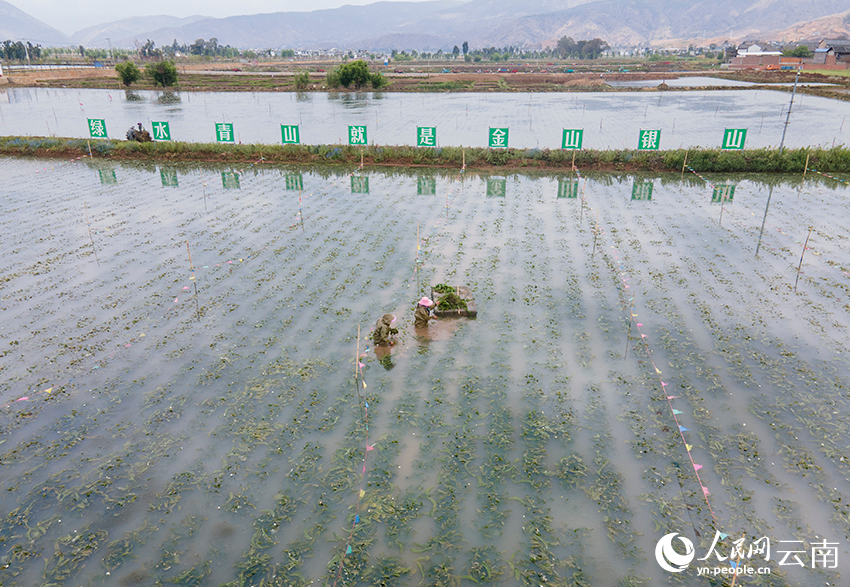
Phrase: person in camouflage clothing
x=423 y=314
x=384 y=332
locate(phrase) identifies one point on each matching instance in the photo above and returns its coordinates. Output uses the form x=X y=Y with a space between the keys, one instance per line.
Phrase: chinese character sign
x=496 y=187
x=648 y=140
x=642 y=190
x=357 y=135
x=97 y=128
x=224 y=132
x=161 y=132
x=498 y=138
x=169 y=178
x=722 y=193
x=733 y=138
x=568 y=188
x=426 y=136
x=572 y=138
x=230 y=180
x=289 y=134
x=294 y=181
x=359 y=184
x=426 y=186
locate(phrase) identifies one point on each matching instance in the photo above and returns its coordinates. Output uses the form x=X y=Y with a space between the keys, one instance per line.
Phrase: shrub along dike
x=834 y=160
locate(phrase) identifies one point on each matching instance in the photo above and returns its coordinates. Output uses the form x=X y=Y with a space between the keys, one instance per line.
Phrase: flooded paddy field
x=611 y=120
x=182 y=400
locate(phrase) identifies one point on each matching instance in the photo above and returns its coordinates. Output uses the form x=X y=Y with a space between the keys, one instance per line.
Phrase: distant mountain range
x=441 y=24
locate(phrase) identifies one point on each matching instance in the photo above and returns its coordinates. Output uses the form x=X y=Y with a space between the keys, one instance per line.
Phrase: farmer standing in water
x=424 y=313
x=384 y=332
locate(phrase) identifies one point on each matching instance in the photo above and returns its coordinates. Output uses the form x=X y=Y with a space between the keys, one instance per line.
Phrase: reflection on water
x=176 y=418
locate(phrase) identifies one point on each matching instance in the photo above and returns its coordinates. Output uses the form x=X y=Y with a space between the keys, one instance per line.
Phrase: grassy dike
x=834 y=160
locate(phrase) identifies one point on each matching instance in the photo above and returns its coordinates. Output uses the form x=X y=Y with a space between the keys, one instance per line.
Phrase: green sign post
x=97 y=128
x=497 y=187
x=294 y=181
x=230 y=180
x=224 y=132
x=498 y=138
x=169 y=178
x=722 y=193
x=572 y=138
x=357 y=135
x=642 y=190
x=733 y=138
x=161 y=131
x=648 y=140
x=289 y=134
x=426 y=136
x=568 y=188
x=359 y=184
x=426 y=186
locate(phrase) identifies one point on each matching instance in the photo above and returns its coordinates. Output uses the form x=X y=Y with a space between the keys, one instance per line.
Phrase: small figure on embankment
x=424 y=313
x=140 y=135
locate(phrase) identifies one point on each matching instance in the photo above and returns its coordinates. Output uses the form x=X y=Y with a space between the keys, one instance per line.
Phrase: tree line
x=19 y=51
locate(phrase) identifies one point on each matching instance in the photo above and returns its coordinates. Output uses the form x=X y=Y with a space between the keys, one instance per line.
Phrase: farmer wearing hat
x=423 y=313
x=384 y=331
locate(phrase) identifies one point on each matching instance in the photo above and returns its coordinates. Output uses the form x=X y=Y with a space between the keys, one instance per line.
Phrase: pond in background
x=610 y=120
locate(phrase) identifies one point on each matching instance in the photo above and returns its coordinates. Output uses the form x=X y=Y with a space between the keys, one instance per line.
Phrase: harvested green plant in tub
x=442 y=288
x=451 y=301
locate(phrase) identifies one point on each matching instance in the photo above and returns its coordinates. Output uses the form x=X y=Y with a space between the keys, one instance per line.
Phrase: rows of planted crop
x=534 y=445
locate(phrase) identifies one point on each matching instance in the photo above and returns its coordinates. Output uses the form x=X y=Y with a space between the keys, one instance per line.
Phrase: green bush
x=128 y=72
x=162 y=73
x=302 y=80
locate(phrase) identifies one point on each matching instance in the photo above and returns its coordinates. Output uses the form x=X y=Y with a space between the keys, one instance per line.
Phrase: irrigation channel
x=610 y=120
x=185 y=400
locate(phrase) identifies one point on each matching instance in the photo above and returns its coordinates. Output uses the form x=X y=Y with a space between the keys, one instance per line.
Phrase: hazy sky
x=70 y=16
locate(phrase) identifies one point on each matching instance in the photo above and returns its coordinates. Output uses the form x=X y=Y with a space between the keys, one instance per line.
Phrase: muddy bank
x=835 y=160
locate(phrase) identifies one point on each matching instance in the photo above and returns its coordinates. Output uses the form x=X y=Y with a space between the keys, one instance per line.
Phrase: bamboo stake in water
x=194 y=282
x=684 y=164
x=595 y=232
x=805 y=170
x=357 y=374
x=805 y=245
x=90 y=236
x=416 y=270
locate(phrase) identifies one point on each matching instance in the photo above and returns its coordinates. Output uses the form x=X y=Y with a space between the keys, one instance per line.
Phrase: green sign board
x=733 y=138
x=107 y=176
x=161 y=132
x=359 y=184
x=498 y=138
x=224 y=132
x=230 y=180
x=642 y=190
x=572 y=138
x=426 y=186
x=289 y=134
x=722 y=193
x=648 y=140
x=169 y=178
x=357 y=135
x=567 y=188
x=294 y=181
x=426 y=136
x=497 y=187
x=97 y=128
